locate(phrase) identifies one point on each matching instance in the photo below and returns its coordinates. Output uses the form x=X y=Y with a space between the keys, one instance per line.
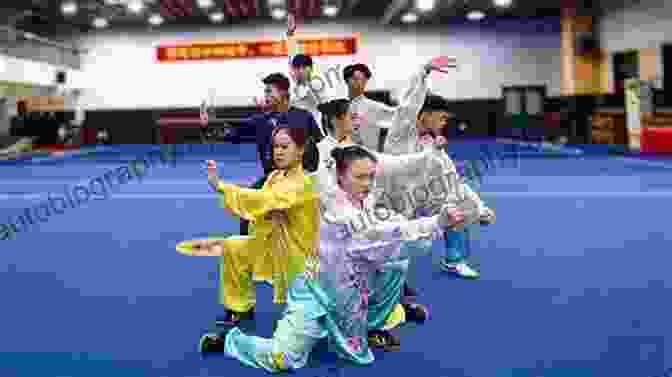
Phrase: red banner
x=267 y=49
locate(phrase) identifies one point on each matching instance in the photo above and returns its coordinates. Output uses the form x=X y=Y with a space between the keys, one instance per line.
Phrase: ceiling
x=44 y=17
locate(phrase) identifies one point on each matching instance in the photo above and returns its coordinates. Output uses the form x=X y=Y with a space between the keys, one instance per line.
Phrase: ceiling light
x=111 y=2
x=99 y=22
x=330 y=11
x=155 y=19
x=278 y=13
x=69 y=8
x=135 y=6
x=217 y=17
x=475 y=15
x=502 y=3
x=274 y=3
x=409 y=18
x=425 y=5
x=205 y=4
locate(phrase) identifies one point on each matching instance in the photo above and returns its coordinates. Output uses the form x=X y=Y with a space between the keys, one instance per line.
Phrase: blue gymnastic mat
x=575 y=276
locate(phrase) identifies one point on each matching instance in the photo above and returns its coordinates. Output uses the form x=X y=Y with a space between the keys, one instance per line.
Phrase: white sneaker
x=460 y=269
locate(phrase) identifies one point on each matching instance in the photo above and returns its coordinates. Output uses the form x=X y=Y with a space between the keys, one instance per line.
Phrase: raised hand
x=211 y=167
x=291 y=24
x=426 y=141
x=441 y=63
x=440 y=141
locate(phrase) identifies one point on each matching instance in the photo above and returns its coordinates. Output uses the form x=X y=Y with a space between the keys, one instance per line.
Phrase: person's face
x=285 y=151
x=433 y=123
x=357 y=83
x=344 y=123
x=357 y=180
x=273 y=95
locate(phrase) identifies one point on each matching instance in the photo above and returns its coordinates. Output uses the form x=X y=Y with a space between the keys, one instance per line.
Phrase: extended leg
x=289 y=349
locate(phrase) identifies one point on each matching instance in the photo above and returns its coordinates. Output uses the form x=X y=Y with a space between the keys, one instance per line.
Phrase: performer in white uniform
x=425 y=116
x=309 y=88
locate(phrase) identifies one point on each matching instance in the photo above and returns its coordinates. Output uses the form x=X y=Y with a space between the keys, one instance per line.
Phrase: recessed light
x=69 y=8
x=502 y=3
x=409 y=18
x=278 y=13
x=99 y=22
x=217 y=17
x=155 y=19
x=475 y=15
x=425 y=5
x=205 y=4
x=135 y=6
x=330 y=11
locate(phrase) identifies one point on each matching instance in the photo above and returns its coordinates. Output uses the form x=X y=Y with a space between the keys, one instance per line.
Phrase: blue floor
x=575 y=275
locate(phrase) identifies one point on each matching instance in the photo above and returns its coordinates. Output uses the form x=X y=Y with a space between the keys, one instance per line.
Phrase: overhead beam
x=392 y=10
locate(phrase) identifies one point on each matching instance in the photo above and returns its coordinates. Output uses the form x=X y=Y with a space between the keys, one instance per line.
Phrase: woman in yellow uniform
x=285 y=213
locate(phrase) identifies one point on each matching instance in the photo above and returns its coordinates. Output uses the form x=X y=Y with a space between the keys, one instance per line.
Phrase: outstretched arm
x=250 y=203
x=381 y=243
x=293 y=46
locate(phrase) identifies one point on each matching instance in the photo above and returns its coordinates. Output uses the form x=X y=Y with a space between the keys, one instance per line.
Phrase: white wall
x=38 y=77
x=644 y=25
x=120 y=71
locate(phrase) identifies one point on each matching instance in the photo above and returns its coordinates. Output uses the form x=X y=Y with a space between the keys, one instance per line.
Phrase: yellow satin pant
x=243 y=262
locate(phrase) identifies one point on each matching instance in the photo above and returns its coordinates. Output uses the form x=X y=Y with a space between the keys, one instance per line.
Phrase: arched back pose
x=337 y=280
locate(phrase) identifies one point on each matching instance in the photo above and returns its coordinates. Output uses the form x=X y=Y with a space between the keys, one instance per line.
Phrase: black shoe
x=416 y=313
x=232 y=319
x=408 y=292
x=211 y=343
x=384 y=340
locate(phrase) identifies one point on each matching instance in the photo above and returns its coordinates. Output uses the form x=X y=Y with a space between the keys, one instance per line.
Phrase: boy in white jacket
x=425 y=117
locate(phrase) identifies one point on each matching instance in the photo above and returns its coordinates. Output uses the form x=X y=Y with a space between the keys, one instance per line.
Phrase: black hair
x=301 y=60
x=297 y=134
x=345 y=156
x=278 y=80
x=434 y=103
x=334 y=108
x=350 y=70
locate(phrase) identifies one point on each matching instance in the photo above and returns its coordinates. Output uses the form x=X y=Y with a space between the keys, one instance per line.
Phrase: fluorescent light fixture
x=475 y=15
x=205 y=4
x=69 y=7
x=278 y=13
x=277 y=3
x=99 y=22
x=330 y=11
x=135 y=6
x=502 y=3
x=425 y=5
x=409 y=18
x=217 y=17
x=155 y=19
